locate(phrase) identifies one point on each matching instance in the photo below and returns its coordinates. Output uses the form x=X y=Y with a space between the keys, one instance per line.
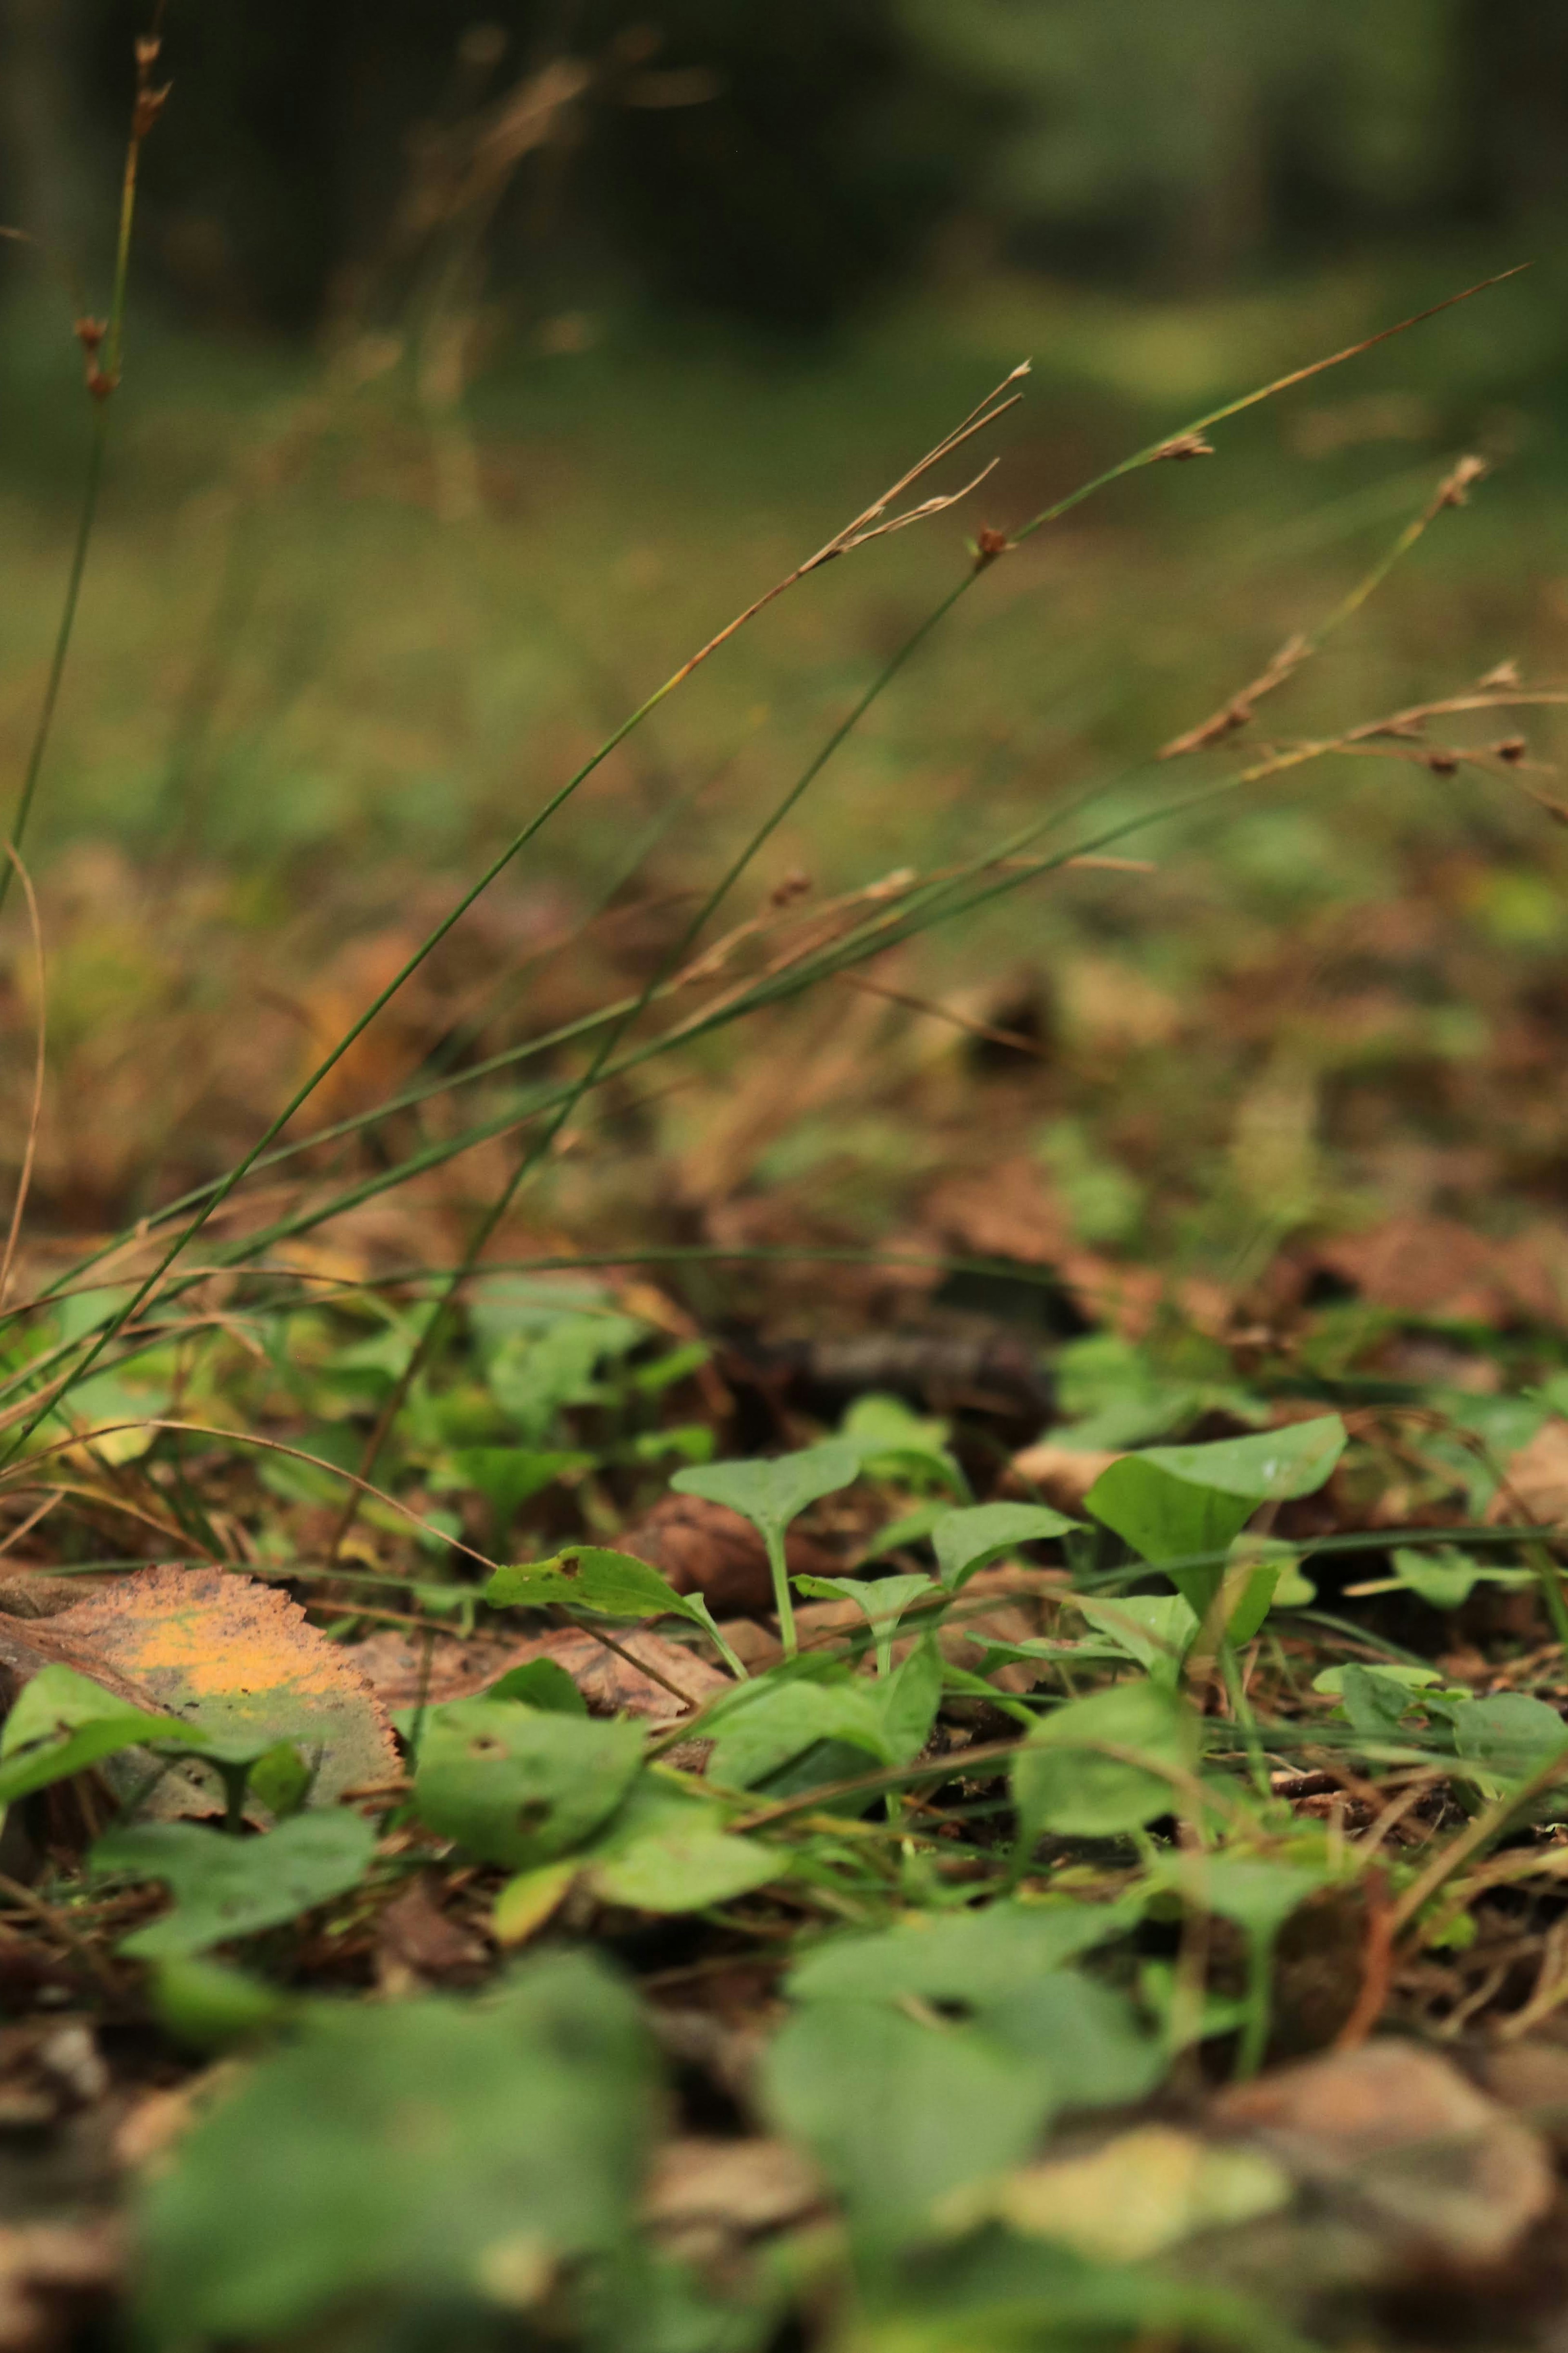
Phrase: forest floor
x=831 y=1612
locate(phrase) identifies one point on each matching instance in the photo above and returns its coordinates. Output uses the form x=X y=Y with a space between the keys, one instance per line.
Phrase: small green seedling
x=882 y=1600
x=892 y=1442
x=1257 y=1897
x=771 y=1494
x=595 y=1582
x=1182 y=1508
x=966 y=1541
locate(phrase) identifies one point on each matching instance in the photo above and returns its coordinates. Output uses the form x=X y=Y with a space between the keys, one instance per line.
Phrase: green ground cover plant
x=558 y=1814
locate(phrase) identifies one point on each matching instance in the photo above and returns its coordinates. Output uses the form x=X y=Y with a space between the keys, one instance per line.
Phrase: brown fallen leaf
x=1416 y=2148
x=53 y=2276
x=461 y=1668
x=1063 y=1475
x=1535 y=1480
x=1005 y=1211
x=702 y=1548
x=228 y=1653
x=1437 y=1267
x=701 y=2196
x=419 y=1944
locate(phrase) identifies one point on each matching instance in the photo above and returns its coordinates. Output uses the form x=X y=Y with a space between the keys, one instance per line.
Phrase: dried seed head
x=1443 y=764
x=1500 y=680
x=789 y=888
x=1456 y=489
x=989 y=544
x=1184 y=445
x=149 y=105
x=1512 y=749
x=90 y=334
x=148 y=49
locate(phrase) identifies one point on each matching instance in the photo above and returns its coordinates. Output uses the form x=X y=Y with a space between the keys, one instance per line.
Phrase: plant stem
x=1254 y=2042
x=1241 y=1707
x=782 y=1599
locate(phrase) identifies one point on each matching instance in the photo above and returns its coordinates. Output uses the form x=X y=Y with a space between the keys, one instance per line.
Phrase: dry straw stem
x=1452 y=492
x=87 y=1437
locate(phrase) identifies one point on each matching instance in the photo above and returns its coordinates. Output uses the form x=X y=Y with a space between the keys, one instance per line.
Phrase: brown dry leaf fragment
x=1427 y=2158
x=1006 y=1211
x=703 y=2195
x=418 y=1940
x=1535 y=1480
x=1437 y=1266
x=401 y=1672
x=701 y=1547
x=1062 y=1475
x=52 y=2275
x=239 y=1658
x=613 y=1685
x=459 y=1669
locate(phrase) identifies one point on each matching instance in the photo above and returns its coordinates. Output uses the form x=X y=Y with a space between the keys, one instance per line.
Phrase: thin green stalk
x=86 y=520
x=1251 y=2049
x=784 y=1600
x=103 y=380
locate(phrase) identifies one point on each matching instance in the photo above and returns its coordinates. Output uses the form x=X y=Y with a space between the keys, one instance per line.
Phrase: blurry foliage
x=781 y=164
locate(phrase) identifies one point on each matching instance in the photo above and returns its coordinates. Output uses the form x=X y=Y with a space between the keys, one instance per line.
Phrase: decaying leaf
x=611 y=1684
x=226 y=1653
x=52 y=2275
x=703 y=1547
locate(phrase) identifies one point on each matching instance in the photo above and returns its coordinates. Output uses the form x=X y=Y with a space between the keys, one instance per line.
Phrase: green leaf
x=1374 y=1702
x=517 y=1787
x=1509 y=1735
x=63 y=1721
x=587 y=1577
x=908 y=1699
x=766 y=1725
x=1188 y=1504
x=881 y=1601
x=207 y=2006
x=224 y=1887
x=506 y=1476
x=684 y=1863
x=966 y=1541
x=1157 y=1629
x=600 y=1583
x=900 y=2113
x=1268 y=1467
x=430 y=2151
x=1446 y=1577
x=973 y=1957
x=892 y=1442
x=771 y=1493
x=1064 y=1781
x=1085 y=2036
x=540 y=1684
x=1258 y=1895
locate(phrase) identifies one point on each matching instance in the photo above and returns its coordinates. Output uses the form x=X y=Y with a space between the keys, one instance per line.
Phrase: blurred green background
x=478 y=369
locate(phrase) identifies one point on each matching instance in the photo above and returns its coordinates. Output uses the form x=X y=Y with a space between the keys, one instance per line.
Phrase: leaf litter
x=1120 y=1905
